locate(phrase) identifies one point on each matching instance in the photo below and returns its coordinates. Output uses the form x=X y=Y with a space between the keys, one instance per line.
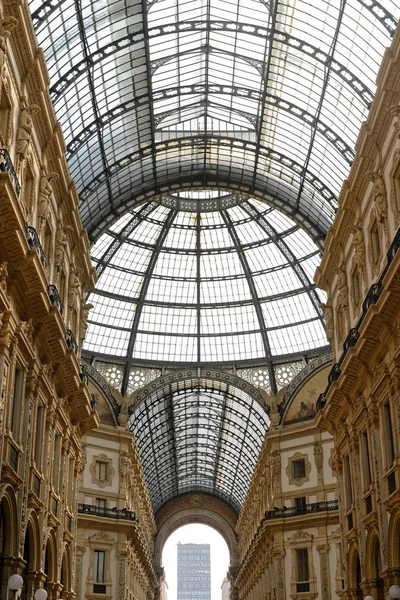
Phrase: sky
x=197 y=534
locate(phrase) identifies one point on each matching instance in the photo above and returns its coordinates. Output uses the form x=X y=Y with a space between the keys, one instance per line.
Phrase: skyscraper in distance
x=194 y=572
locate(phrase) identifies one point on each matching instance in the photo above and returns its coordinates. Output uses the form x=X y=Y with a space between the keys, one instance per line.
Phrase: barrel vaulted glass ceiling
x=264 y=95
x=199 y=438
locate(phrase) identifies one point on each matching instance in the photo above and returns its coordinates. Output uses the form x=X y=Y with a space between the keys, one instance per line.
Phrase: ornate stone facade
x=44 y=406
x=361 y=404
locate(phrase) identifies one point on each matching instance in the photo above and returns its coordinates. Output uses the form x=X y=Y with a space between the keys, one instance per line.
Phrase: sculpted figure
x=358 y=243
x=328 y=316
x=85 y=308
x=379 y=196
x=74 y=287
x=3 y=276
x=61 y=243
x=25 y=130
x=342 y=284
x=45 y=191
x=7 y=24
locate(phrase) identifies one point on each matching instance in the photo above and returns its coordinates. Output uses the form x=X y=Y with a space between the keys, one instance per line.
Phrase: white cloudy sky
x=198 y=534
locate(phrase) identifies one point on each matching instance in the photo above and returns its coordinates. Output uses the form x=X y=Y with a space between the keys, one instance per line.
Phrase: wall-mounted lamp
x=394 y=591
x=15 y=583
x=40 y=594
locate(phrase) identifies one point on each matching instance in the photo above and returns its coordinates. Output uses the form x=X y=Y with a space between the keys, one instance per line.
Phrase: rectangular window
x=17 y=402
x=99 y=566
x=102 y=470
x=56 y=461
x=376 y=244
x=347 y=482
x=71 y=481
x=302 y=571
x=39 y=437
x=366 y=460
x=299 y=469
x=100 y=503
x=300 y=504
x=388 y=429
x=356 y=284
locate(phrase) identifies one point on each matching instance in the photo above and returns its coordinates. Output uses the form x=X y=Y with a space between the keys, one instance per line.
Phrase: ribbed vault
x=198 y=438
x=260 y=97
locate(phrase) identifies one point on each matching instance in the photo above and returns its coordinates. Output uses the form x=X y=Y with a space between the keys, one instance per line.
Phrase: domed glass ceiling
x=232 y=285
x=264 y=97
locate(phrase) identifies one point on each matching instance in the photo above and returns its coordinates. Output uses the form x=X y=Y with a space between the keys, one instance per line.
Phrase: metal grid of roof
x=199 y=438
x=228 y=286
x=266 y=95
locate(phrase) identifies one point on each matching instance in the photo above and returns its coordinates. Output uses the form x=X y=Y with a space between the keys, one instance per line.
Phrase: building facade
x=90 y=486
x=194 y=572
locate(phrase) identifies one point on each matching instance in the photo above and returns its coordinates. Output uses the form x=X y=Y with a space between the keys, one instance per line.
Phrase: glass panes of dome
x=265 y=96
x=198 y=289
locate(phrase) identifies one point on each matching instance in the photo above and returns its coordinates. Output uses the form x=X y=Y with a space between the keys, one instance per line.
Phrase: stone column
x=323 y=550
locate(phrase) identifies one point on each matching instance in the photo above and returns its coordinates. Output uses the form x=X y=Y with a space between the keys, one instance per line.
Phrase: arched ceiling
x=231 y=285
x=198 y=438
x=260 y=97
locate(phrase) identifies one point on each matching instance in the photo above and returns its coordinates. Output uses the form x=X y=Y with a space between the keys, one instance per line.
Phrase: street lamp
x=40 y=594
x=394 y=591
x=15 y=583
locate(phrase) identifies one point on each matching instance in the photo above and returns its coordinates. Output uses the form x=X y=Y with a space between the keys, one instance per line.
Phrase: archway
x=195 y=556
x=196 y=508
x=50 y=565
x=354 y=573
x=394 y=542
x=374 y=565
x=8 y=536
x=65 y=575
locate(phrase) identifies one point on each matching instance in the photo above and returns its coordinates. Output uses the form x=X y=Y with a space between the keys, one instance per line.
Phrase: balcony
x=110 y=513
x=307 y=509
x=54 y=297
x=6 y=166
x=71 y=342
x=33 y=241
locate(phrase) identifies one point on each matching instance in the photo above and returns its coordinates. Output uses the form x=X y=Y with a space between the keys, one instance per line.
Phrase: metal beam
x=142 y=297
x=116 y=244
x=129 y=42
x=327 y=68
x=297 y=112
x=287 y=253
x=213 y=141
x=254 y=295
x=93 y=98
x=47 y=7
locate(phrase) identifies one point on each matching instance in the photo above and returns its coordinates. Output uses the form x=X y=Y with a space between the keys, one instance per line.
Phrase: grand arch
x=196 y=377
x=196 y=508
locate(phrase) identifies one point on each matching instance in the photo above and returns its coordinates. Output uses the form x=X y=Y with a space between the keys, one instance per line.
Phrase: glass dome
x=233 y=286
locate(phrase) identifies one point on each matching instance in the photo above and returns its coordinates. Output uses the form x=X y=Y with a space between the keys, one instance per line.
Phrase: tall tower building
x=194 y=573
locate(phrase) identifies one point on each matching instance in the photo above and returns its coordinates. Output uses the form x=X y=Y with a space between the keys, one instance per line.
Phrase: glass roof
x=230 y=286
x=262 y=97
x=199 y=438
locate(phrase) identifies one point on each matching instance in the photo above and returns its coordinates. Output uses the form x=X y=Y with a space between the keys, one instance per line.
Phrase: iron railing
x=71 y=341
x=371 y=298
x=54 y=297
x=110 y=513
x=6 y=166
x=306 y=509
x=33 y=241
x=293 y=511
